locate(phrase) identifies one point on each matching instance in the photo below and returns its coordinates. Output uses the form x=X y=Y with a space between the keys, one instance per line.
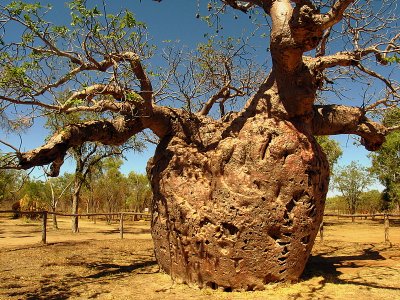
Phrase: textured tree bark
x=241 y=211
x=238 y=202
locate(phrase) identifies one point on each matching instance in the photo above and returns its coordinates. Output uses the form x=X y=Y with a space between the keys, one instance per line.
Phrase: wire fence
x=385 y=217
x=44 y=217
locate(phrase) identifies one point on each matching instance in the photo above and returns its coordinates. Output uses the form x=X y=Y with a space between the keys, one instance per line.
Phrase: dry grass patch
x=94 y=265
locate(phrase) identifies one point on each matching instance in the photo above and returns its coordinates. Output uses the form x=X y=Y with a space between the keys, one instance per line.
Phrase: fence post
x=386 y=222
x=121 y=225
x=44 y=226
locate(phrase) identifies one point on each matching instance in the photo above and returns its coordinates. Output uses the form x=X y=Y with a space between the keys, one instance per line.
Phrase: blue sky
x=173 y=20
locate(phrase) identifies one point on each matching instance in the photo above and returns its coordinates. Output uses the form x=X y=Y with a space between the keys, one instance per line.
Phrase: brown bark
x=237 y=212
x=113 y=132
x=54 y=218
x=337 y=119
x=75 y=204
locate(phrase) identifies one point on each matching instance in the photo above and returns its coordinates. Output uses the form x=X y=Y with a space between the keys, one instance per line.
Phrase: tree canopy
x=385 y=162
x=331 y=148
x=351 y=181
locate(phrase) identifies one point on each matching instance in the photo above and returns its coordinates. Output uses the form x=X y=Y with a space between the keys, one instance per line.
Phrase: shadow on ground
x=54 y=286
x=327 y=264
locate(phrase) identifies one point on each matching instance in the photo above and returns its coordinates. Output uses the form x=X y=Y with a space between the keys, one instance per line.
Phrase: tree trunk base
x=242 y=213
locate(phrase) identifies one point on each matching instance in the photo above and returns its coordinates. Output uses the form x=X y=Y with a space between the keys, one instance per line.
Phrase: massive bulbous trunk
x=237 y=211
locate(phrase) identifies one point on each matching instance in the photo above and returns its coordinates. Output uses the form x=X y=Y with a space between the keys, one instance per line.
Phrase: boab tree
x=237 y=200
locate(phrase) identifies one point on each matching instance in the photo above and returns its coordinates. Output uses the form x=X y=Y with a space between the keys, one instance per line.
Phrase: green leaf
x=72 y=102
x=134 y=97
x=392 y=59
x=61 y=30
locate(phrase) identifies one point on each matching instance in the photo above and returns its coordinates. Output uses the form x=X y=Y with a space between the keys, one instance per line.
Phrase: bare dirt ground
x=352 y=262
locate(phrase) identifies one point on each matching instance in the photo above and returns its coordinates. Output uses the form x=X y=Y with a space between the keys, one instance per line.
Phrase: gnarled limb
x=340 y=119
x=114 y=132
x=344 y=58
x=108 y=132
x=222 y=94
x=299 y=29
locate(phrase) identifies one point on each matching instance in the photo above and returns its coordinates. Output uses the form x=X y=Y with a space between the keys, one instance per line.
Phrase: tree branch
x=131 y=100
x=41 y=36
x=222 y=93
x=393 y=128
x=30 y=102
x=321 y=49
x=9 y=145
x=114 y=132
x=136 y=65
x=334 y=15
x=344 y=58
x=102 y=66
x=340 y=119
x=246 y=5
x=380 y=77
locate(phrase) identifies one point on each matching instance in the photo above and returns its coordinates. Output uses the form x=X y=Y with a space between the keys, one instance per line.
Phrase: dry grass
x=351 y=263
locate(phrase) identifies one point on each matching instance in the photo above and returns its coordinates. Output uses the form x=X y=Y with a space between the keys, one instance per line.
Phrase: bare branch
x=104 y=65
x=73 y=58
x=321 y=49
x=65 y=78
x=222 y=93
x=246 y=5
x=334 y=15
x=136 y=65
x=124 y=108
x=384 y=102
x=30 y=102
x=393 y=128
x=9 y=145
x=380 y=77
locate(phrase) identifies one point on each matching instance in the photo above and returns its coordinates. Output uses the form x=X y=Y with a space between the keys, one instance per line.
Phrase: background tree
x=371 y=202
x=59 y=187
x=111 y=189
x=385 y=162
x=332 y=150
x=34 y=197
x=87 y=156
x=351 y=181
x=244 y=191
x=336 y=204
x=139 y=194
x=10 y=184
